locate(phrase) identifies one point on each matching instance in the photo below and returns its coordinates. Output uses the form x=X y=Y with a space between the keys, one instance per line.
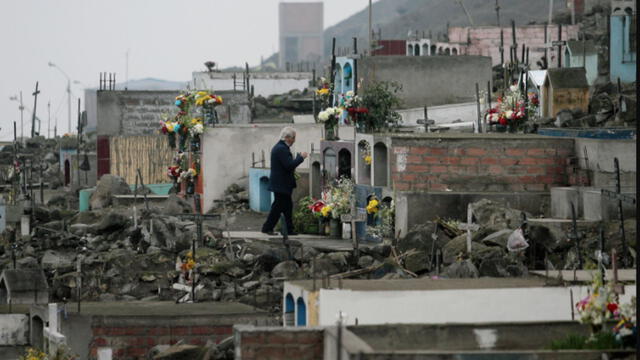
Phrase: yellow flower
x=323 y=91
x=202 y=93
x=367 y=159
x=326 y=210
x=372 y=208
x=196 y=121
x=170 y=126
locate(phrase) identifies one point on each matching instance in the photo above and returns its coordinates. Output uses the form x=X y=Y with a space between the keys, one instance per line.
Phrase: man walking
x=282 y=180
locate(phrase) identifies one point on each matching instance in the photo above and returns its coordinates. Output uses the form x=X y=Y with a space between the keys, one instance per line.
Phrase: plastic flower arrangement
x=325 y=87
x=339 y=196
x=511 y=110
x=598 y=306
x=204 y=98
x=354 y=106
x=34 y=354
x=329 y=117
x=626 y=326
x=174 y=172
x=188 y=175
x=373 y=206
x=196 y=130
x=365 y=151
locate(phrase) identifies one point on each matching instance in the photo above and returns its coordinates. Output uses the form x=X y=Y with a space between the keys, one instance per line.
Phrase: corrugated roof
x=575 y=47
x=24 y=280
x=568 y=78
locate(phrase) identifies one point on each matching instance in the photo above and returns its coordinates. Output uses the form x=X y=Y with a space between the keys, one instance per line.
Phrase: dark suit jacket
x=283 y=166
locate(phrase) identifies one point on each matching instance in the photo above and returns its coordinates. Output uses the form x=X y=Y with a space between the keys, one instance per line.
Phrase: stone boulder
x=498 y=238
x=457 y=246
x=108 y=186
x=58 y=260
x=113 y=221
x=286 y=269
x=491 y=213
x=176 y=205
x=461 y=269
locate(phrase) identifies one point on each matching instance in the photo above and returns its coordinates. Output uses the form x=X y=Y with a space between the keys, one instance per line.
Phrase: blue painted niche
x=260 y=198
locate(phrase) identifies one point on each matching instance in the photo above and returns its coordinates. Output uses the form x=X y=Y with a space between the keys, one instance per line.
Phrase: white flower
x=513 y=88
x=331 y=111
x=349 y=93
x=508 y=114
x=323 y=116
x=196 y=130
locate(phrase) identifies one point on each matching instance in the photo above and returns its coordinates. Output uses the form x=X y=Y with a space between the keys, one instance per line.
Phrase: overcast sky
x=166 y=39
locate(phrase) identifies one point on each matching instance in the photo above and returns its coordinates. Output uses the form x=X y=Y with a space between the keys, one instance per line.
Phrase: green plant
x=304 y=221
x=601 y=341
x=380 y=98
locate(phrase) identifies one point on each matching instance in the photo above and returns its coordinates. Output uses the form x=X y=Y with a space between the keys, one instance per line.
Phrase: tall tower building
x=301 y=33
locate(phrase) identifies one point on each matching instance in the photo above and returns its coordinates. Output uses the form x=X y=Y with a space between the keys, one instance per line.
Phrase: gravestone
x=23 y=287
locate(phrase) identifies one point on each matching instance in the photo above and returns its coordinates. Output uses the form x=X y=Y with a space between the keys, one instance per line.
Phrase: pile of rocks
x=545 y=246
x=235 y=200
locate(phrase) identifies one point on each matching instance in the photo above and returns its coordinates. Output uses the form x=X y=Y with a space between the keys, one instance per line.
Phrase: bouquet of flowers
x=329 y=117
x=626 y=327
x=320 y=209
x=354 y=106
x=511 y=110
x=373 y=206
x=365 y=150
x=599 y=306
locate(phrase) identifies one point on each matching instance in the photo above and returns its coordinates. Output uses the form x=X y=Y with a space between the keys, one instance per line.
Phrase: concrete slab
x=160 y=308
x=586 y=275
x=561 y=200
x=317 y=242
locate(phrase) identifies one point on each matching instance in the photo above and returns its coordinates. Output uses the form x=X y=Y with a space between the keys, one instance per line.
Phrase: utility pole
x=33 y=115
x=498 y=12
x=21 y=118
x=550 y=12
x=370 y=30
x=49 y=119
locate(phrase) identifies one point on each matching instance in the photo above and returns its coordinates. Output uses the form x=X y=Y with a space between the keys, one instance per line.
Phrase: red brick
x=158 y=331
x=438 y=169
x=517 y=187
x=436 y=151
x=489 y=161
x=135 y=330
x=272 y=353
x=409 y=177
x=555 y=170
x=469 y=161
x=137 y=351
x=544 y=179
x=197 y=341
x=515 y=152
x=438 y=187
x=431 y=160
x=99 y=341
x=527 y=179
x=179 y=331
x=114 y=331
x=402 y=186
x=535 y=170
x=281 y=338
x=414 y=159
x=417 y=168
x=529 y=161
x=475 y=152
x=418 y=150
x=202 y=330
x=508 y=162
x=496 y=170
x=460 y=169
x=452 y=160
x=420 y=186
x=537 y=152
x=97 y=331
x=223 y=330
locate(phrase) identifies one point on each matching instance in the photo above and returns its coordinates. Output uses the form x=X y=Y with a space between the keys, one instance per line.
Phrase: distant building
x=582 y=54
x=565 y=89
x=301 y=33
x=389 y=47
x=485 y=41
x=623 y=45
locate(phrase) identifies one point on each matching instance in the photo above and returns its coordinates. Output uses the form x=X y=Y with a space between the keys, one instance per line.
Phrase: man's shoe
x=271 y=233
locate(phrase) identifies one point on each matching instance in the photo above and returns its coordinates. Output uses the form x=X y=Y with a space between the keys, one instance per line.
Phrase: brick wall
x=501 y=163
x=278 y=343
x=133 y=342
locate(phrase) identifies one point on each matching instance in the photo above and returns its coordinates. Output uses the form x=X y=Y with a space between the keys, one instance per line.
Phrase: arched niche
x=338 y=83
x=440 y=51
x=67 y=172
x=380 y=165
x=447 y=51
x=433 y=50
x=454 y=52
x=410 y=50
x=425 y=49
x=364 y=168
x=316 y=178
x=330 y=164
x=289 y=310
x=344 y=163
x=37 y=333
x=301 y=316
x=416 y=50
x=348 y=78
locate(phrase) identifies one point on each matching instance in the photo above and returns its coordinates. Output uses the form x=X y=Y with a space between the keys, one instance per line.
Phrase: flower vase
x=335 y=229
x=330 y=132
x=595 y=329
x=326 y=228
x=195 y=144
x=176 y=187
x=172 y=140
x=501 y=128
x=191 y=188
x=210 y=116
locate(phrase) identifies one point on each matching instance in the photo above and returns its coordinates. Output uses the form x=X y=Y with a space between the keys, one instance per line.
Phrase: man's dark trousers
x=282 y=204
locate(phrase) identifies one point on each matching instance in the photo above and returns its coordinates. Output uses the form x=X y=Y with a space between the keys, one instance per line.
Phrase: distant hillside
x=395 y=18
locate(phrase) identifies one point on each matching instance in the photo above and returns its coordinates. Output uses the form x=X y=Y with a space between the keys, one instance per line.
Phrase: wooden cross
x=353 y=217
x=426 y=121
x=617 y=195
x=575 y=236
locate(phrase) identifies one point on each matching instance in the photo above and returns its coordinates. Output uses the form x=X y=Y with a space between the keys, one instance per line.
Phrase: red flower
x=317 y=206
x=502 y=120
x=612 y=307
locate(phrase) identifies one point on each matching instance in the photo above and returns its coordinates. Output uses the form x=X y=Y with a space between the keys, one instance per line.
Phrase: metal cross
x=617 y=195
x=426 y=121
x=35 y=106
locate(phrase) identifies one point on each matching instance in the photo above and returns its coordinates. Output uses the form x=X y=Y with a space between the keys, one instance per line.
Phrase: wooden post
x=559 y=46
x=479 y=122
x=514 y=44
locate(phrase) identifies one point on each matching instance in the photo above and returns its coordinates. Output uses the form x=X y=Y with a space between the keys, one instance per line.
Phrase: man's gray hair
x=287 y=132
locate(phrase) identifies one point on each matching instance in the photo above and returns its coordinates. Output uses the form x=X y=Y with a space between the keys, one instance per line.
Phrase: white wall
x=601 y=152
x=442 y=114
x=226 y=152
x=454 y=306
x=14 y=329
